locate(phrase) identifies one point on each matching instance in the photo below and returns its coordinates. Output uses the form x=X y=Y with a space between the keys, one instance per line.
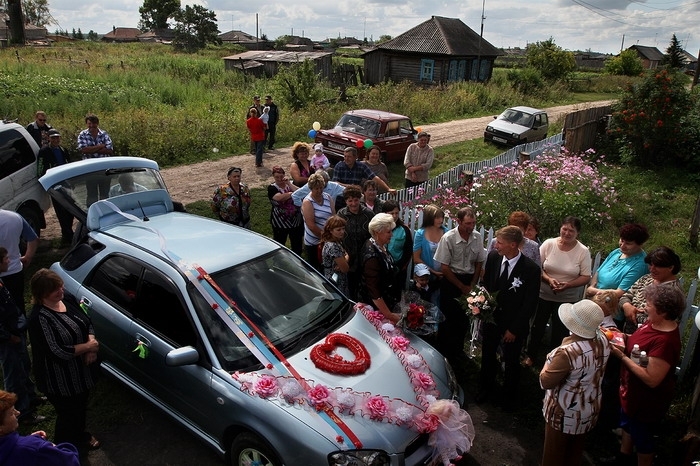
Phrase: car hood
x=387 y=376
x=339 y=133
x=507 y=126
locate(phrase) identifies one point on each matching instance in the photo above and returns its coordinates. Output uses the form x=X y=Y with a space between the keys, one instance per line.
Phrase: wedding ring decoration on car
x=325 y=358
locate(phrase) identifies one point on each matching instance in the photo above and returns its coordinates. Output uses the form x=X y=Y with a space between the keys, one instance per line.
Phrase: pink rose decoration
x=377 y=407
x=424 y=381
x=266 y=386
x=426 y=423
x=400 y=342
x=319 y=395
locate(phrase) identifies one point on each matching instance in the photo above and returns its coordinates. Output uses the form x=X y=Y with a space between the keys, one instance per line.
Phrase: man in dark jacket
x=274 y=118
x=51 y=156
x=516 y=280
x=39 y=129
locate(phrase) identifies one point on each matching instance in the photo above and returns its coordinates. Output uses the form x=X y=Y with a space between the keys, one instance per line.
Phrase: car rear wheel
x=32 y=217
x=248 y=449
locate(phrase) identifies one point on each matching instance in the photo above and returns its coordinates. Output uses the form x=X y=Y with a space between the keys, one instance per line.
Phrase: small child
x=265 y=117
x=319 y=160
x=421 y=282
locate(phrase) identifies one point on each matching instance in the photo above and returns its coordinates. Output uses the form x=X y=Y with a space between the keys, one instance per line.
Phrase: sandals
x=93 y=443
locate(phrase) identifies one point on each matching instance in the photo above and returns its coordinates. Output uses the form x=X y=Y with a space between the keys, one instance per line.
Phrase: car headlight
x=358 y=458
x=515 y=135
x=489 y=129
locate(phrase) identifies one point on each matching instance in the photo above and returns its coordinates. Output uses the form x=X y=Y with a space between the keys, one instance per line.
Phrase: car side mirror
x=183 y=356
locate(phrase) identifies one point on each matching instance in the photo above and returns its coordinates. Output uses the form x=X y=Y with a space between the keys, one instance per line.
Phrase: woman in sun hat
x=572 y=377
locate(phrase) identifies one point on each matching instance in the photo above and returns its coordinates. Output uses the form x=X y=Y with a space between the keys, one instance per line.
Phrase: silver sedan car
x=236 y=337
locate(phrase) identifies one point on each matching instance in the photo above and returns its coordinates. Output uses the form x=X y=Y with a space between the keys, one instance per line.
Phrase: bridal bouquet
x=479 y=304
x=418 y=316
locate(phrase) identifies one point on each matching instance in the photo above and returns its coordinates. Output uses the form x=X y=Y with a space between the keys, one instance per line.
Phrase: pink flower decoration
x=424 y=381
x=400 y=342
x=319 y=395
x=266 y=386
x=426 y=423
x=377 y=407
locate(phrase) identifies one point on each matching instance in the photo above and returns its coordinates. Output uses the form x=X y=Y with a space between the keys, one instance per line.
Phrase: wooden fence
x=581 y=128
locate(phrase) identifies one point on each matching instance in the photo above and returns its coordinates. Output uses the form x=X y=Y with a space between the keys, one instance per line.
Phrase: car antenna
x=145 y=217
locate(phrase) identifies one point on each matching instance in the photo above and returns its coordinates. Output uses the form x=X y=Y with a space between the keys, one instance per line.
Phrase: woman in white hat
x=572 y=377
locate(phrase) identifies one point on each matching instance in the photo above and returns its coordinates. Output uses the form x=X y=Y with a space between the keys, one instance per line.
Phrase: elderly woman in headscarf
x=378 y=269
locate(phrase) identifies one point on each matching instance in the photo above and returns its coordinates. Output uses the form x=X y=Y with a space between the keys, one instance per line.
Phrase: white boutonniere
x=516 y=284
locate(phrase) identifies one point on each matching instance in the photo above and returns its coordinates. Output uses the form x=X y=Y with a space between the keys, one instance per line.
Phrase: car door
x=400 y=135
x=141 y=316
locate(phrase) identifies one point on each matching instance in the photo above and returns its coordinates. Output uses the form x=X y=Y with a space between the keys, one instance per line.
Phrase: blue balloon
x=312 y=133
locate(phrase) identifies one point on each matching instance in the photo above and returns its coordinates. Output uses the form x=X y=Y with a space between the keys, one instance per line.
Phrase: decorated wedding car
x=240 y=341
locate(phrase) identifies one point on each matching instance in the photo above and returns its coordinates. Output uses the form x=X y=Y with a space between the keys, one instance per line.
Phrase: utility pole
x=16 y=23
x=481 y=35
x=622 y=46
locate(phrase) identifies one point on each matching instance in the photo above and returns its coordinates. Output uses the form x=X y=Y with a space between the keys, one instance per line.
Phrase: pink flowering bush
x=549 y=188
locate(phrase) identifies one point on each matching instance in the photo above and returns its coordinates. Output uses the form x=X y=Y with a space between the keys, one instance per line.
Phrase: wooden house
x=651 y=57
x=245 y=40
x=438 y=51
x=267 y=63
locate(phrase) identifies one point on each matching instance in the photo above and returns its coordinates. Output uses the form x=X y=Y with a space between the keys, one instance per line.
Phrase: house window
x=426 y=70
x=457 y=70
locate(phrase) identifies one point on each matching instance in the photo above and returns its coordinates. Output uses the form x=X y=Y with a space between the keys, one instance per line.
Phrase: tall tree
x=675 y=58
x=195 y=28
x=14 y=11
x=156 y=13
x=550 y=60
x=37 y=12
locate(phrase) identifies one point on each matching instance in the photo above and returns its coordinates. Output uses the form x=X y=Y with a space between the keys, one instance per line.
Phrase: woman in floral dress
x=231 y=202
x=335 y=259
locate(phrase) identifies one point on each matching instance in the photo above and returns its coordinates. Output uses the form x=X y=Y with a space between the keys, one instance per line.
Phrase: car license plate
x=501 y=140
x=333 y=145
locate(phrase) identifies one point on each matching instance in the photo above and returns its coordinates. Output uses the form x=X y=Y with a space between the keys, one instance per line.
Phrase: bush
x=527 y=80
x=655 y=122
x=625 y=64
x=548 y=188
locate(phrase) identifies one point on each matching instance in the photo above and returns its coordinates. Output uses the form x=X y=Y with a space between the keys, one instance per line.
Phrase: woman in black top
x=65 y=358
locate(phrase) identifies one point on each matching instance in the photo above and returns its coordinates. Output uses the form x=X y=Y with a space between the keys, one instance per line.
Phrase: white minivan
x=20 y=190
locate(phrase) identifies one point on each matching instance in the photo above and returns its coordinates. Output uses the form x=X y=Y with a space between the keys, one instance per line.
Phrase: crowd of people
x=357 y=241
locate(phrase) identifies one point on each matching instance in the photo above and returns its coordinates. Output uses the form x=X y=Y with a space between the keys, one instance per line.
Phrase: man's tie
x=503 y=280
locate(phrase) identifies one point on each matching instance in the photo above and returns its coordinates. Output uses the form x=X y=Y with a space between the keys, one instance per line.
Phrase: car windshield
x=82 y=191
x=281 y=296
x=358 y=124
x=518 y=117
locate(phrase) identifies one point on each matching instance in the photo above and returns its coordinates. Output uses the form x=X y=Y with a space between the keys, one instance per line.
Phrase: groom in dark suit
x=516 y=279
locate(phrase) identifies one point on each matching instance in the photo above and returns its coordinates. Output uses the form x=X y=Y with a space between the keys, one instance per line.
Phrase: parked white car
x=518 y=125
x=20 y=190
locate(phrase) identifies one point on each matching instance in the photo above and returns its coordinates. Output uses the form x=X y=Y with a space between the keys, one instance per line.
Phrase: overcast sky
x=599 y=25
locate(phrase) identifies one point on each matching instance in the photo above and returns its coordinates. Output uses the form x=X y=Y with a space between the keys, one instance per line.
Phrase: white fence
x=454 y=176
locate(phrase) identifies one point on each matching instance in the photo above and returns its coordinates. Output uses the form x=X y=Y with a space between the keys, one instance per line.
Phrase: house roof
x=164 y=34
x=277 y=56
x=689 y=57
x=122 y=34
x=439 y=35
x=237 y=36
x=650 y=53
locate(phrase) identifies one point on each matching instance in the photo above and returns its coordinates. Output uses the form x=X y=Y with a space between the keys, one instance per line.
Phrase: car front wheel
x=247 y=449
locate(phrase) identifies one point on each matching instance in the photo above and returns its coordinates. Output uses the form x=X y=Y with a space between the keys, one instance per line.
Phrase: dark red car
x=393 y=133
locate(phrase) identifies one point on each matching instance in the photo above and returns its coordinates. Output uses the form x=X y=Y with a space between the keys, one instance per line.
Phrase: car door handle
x=85 y=304
x=140 y=339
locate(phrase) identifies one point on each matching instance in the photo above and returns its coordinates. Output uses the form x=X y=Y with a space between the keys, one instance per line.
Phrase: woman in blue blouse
x=425 y=242
x=623 y=266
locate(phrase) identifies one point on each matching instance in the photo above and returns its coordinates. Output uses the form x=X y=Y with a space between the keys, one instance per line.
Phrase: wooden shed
x=268 y=63
x=438 y=51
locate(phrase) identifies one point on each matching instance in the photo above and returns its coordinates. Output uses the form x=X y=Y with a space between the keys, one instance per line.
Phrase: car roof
x=211 y=244
x=376 y=114
x=527 y=109
x=61 y=173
